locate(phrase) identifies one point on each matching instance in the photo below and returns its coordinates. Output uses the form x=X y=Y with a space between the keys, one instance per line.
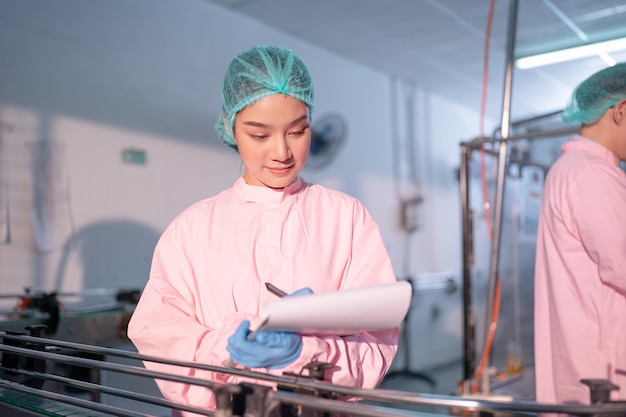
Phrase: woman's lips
x=280 y=171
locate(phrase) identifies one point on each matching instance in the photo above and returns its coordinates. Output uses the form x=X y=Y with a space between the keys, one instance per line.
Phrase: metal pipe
x=501 y=175
x=311 y=386
x=90 y=386
x=479 y=142
x=109 y=410
x=290 y=380
x=101 y=365
x=521 y=122
x=469 y=320
x=463 y=403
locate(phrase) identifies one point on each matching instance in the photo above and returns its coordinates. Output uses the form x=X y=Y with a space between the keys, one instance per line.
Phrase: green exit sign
x=134 y=156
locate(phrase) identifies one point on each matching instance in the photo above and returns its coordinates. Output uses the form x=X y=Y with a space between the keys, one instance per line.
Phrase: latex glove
x=301 y=291
x=269 y=349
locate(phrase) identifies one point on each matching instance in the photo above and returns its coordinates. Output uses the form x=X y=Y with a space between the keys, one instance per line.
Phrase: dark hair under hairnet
x=596 y=95
x=258 y=72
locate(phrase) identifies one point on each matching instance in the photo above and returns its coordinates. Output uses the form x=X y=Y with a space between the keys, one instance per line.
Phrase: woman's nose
x=280 y=149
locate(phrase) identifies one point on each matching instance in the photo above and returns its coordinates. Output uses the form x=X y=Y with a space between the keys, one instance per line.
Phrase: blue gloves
x=301 y=291
x=269 y=349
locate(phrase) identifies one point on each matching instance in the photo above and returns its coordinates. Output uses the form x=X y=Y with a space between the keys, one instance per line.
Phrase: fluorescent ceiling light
x=569 y=54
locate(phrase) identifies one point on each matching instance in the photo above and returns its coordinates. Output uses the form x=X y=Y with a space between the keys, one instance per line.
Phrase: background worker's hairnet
x=596 y=95
x=256 y=73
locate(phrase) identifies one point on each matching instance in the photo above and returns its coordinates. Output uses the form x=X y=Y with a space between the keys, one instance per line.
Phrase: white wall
x=99 y=77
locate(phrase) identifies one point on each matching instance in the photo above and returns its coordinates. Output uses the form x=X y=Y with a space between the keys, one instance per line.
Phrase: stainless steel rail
x=294 y=390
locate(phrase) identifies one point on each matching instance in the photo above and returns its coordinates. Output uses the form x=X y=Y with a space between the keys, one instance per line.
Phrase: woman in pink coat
x=580 y=271
x=207 y=281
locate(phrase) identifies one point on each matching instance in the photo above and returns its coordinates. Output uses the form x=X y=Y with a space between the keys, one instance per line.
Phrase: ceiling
x=439 y=44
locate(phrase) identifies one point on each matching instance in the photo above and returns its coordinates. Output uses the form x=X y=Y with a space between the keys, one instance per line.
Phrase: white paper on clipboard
x=376 y=307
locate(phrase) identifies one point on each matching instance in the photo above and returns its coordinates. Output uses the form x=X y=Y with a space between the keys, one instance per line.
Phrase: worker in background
x=207 y=281
x=580 y=270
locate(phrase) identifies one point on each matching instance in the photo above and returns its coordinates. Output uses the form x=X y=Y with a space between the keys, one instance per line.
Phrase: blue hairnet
x=256 y=73
x=596 y=95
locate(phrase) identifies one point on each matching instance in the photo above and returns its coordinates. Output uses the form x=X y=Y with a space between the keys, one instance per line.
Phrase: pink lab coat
x=211 y=263
x=580 y=275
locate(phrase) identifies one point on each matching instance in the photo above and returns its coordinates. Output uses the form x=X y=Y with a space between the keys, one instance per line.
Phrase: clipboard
x=342 y=312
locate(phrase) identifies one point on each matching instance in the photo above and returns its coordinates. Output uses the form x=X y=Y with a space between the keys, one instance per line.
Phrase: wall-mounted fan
x=327 y=134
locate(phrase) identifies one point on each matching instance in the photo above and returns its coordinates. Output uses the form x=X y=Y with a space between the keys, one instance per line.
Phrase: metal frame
x=501 y=137
x=467 y=148
x=279 y=396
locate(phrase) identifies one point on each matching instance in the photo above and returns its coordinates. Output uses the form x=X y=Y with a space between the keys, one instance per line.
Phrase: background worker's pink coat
x=580 y=275
x=210 y=266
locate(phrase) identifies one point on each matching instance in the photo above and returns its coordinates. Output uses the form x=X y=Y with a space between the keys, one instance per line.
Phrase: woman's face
x=273 y=136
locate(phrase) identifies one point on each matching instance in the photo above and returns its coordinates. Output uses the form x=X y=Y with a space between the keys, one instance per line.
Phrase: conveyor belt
x=18 y=404
x=290 y=396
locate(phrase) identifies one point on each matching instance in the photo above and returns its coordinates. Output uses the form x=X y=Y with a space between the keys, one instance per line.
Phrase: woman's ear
x=619 y=112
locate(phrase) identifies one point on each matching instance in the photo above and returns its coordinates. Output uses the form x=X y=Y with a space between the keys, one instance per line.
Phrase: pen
x=250 y=337
x=275 y=290
x=253 y=333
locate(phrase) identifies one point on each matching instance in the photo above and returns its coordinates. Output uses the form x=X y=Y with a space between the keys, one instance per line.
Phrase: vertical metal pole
x=469 y=321
x=502 y=154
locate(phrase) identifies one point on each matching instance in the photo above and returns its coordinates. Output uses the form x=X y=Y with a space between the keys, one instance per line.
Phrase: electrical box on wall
x=134 y=156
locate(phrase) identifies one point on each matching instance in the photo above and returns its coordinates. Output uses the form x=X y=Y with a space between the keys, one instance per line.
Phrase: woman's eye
x=259 y=137
x=297 y=133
